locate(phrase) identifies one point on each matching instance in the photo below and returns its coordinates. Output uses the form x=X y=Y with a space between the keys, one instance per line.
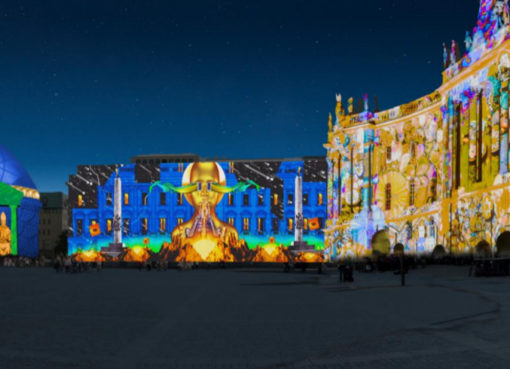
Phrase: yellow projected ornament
x=204 y=231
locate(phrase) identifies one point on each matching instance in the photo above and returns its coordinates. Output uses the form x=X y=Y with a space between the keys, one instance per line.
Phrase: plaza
x=252 y=318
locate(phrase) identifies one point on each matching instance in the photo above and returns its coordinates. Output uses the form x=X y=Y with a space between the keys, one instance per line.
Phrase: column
x=14 y=230
x=298 y=208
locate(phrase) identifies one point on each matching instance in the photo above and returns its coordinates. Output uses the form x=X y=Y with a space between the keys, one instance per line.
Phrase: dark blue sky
x=86 y=82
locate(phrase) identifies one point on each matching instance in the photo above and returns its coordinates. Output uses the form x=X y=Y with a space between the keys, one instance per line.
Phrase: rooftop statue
x=468 y=41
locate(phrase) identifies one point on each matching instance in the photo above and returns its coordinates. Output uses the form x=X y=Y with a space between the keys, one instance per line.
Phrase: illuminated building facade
x=434 y=172
x=152 y=215
x=19 y=209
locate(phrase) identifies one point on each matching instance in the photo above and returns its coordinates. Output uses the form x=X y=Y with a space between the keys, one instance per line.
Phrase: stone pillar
x=117 y=211
x=298 y=208
x=14 y=229
x=115 y=248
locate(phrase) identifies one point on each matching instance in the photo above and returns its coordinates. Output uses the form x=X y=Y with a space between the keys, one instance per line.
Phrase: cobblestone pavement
x=252 y=318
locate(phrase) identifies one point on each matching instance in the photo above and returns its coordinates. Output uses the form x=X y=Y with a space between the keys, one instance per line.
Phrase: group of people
x=20 y=261
x=69 y=265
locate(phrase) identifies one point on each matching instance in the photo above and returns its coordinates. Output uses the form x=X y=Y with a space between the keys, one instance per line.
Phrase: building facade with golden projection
x=431 y=172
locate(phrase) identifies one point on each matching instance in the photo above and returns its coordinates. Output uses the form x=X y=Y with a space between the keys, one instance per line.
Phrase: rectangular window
x=145 y=199
x=109 y=199
x=275 y=226
x=162 y=225
x=260 y=225
x=290 y=199
x=246 y=199
x=290 y=224
x=179 y=221
x=320 y=199
x=231 y=222
x=230 y=199
x=79 y=227
x=457 y=146
x=479 y=138
x=179 y=199
x=80 y=200
x=412 y=195
x=246 y=225
x=144 y=225
x=125 y=227
x=109 y=226
x=388 y=196
x=388 y=153
x=433 y=189
x=305 y=224
x=260 y=198
x=162 y=198
x=275 y=199
x=305 y=199
x=126 y=198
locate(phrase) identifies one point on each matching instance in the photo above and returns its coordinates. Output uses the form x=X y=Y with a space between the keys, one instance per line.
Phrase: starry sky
x=100 y=81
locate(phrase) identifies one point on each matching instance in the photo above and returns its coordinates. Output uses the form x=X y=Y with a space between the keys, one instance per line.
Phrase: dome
x=12 y=172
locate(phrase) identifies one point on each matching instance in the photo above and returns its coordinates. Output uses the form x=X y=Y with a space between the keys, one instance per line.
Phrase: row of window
x=231 y=199
x=144 y=225
x=412 y=193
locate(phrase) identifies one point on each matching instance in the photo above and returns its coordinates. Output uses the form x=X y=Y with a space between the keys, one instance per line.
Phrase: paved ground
x=252 y=319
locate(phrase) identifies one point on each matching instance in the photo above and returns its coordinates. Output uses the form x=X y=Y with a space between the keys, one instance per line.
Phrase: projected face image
x=204 y=228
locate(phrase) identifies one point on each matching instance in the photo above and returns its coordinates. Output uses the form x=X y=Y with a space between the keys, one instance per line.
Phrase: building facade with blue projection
x=261 y=213
x=19 y=209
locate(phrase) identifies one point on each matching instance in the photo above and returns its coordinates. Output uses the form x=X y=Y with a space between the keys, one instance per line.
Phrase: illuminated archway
x=381 y=243
x=503 y=244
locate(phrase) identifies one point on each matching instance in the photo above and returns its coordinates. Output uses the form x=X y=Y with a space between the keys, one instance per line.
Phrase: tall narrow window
x=109 y=226
x=388 y=196
x=179 y=221
x=109 y=200
x=305 y=199
x=179 y=199
x=162 y=225
x=433 y=189
x=457 y=145
x=260 y=225
x=290 y=224
x=246 y=199
x=80 y=200
x=305 y=224
x=479 y=138
x=145 y=199
x=145 y=225
x=411 y=191
x=275 y=226
x=275 y=199
x=230 y=199
x=260 y=199
x=231 y=222
x=388 y=153
x=320 y=199
x=162 y=198
x=290 y=199
x=126 y=198
x=246 y=224
x=339 y=188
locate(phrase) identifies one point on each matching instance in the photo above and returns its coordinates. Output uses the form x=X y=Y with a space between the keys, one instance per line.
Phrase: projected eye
x=199 y=186
x=208 y=186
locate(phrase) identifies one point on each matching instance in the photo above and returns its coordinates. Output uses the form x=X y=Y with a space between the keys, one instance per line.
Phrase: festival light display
x=198 y=212
x=434 y=172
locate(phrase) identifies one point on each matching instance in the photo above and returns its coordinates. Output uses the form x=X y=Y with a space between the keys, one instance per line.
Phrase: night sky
x=97 y=82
